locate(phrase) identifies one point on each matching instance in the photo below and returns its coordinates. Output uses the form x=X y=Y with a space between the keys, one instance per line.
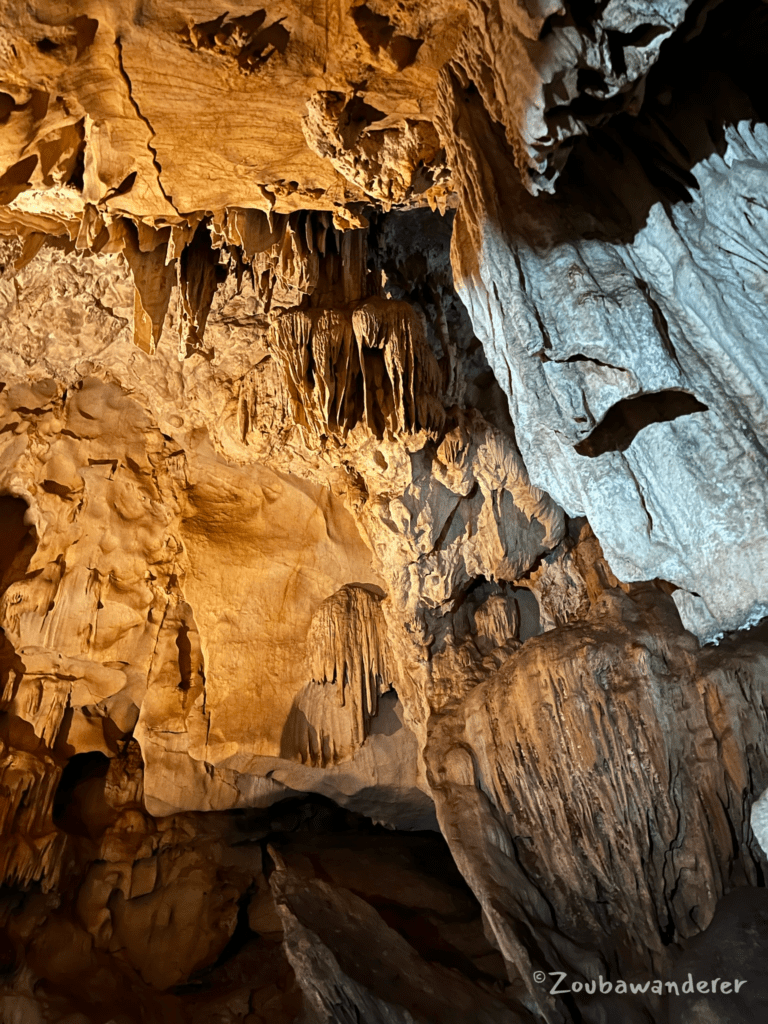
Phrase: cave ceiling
x=383 y=511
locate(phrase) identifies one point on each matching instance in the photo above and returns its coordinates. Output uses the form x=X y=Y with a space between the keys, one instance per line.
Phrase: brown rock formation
x=377 y=643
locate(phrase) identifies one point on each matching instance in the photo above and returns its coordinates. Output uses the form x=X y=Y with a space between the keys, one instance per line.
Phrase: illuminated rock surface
x=383 y=489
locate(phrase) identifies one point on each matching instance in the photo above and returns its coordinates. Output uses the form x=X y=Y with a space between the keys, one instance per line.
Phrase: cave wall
x=636 y=281
x=382 y=493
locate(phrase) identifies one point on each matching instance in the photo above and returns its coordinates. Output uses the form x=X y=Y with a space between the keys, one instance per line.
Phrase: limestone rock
x=548 y=71
x=373 y=366
x=623 y=316
x=759 y=823
x=383 y=444
x=350 y=962
x=392 y=159
x=83 y=90
x=603 y=702
x=348 y=669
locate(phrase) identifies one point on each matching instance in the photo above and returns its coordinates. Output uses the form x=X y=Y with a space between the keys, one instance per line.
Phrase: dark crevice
x=273 y=39
x=85 y=32
x=67 y=812
x=19 y=541
x=185 y=657
x=379 y=33
x=456 y=510
x=76 y=179
x=356 y=116
x=16 y=178
x=242 y=933
x=624 y=421
x=9 y=958
x=52 y=487
x=7 y=106
x=135 y=105
x=659 y=320
x=124 y=187
x=376 y=29
x=404 y=50
x=579 y=358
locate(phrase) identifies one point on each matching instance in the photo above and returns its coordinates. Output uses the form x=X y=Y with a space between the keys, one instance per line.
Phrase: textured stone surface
x=589 y=304
x=350 y=962
x=653 y=825
x=548 y=71
x=730 y=951
x=382 y=444
x=95 y=71
x=759 y=820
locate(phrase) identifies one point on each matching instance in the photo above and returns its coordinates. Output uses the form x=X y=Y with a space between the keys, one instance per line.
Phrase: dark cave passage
x=70 y=803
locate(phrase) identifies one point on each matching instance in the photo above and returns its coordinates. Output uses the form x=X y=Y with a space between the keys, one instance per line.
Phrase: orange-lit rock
x=382 y=401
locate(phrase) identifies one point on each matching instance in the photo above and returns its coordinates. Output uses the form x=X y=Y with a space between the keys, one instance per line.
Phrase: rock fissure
x=142 y=117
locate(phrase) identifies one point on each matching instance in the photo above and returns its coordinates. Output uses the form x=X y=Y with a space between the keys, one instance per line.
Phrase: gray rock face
x=759 y=821
x=628 y=332
x=548 y=71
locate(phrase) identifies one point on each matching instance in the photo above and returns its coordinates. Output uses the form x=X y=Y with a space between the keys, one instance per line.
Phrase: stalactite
x=377 y=352
x=319 y=510
x=31 y=848
x=348 y=666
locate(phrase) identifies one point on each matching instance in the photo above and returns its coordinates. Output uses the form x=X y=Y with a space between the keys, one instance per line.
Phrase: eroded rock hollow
x=383 y=512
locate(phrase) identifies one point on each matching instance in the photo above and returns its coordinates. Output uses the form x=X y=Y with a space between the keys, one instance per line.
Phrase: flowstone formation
x=383 y=489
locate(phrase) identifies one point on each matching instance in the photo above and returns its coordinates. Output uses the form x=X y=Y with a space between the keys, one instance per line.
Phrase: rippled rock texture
x=384 y=547
x=624 y=304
